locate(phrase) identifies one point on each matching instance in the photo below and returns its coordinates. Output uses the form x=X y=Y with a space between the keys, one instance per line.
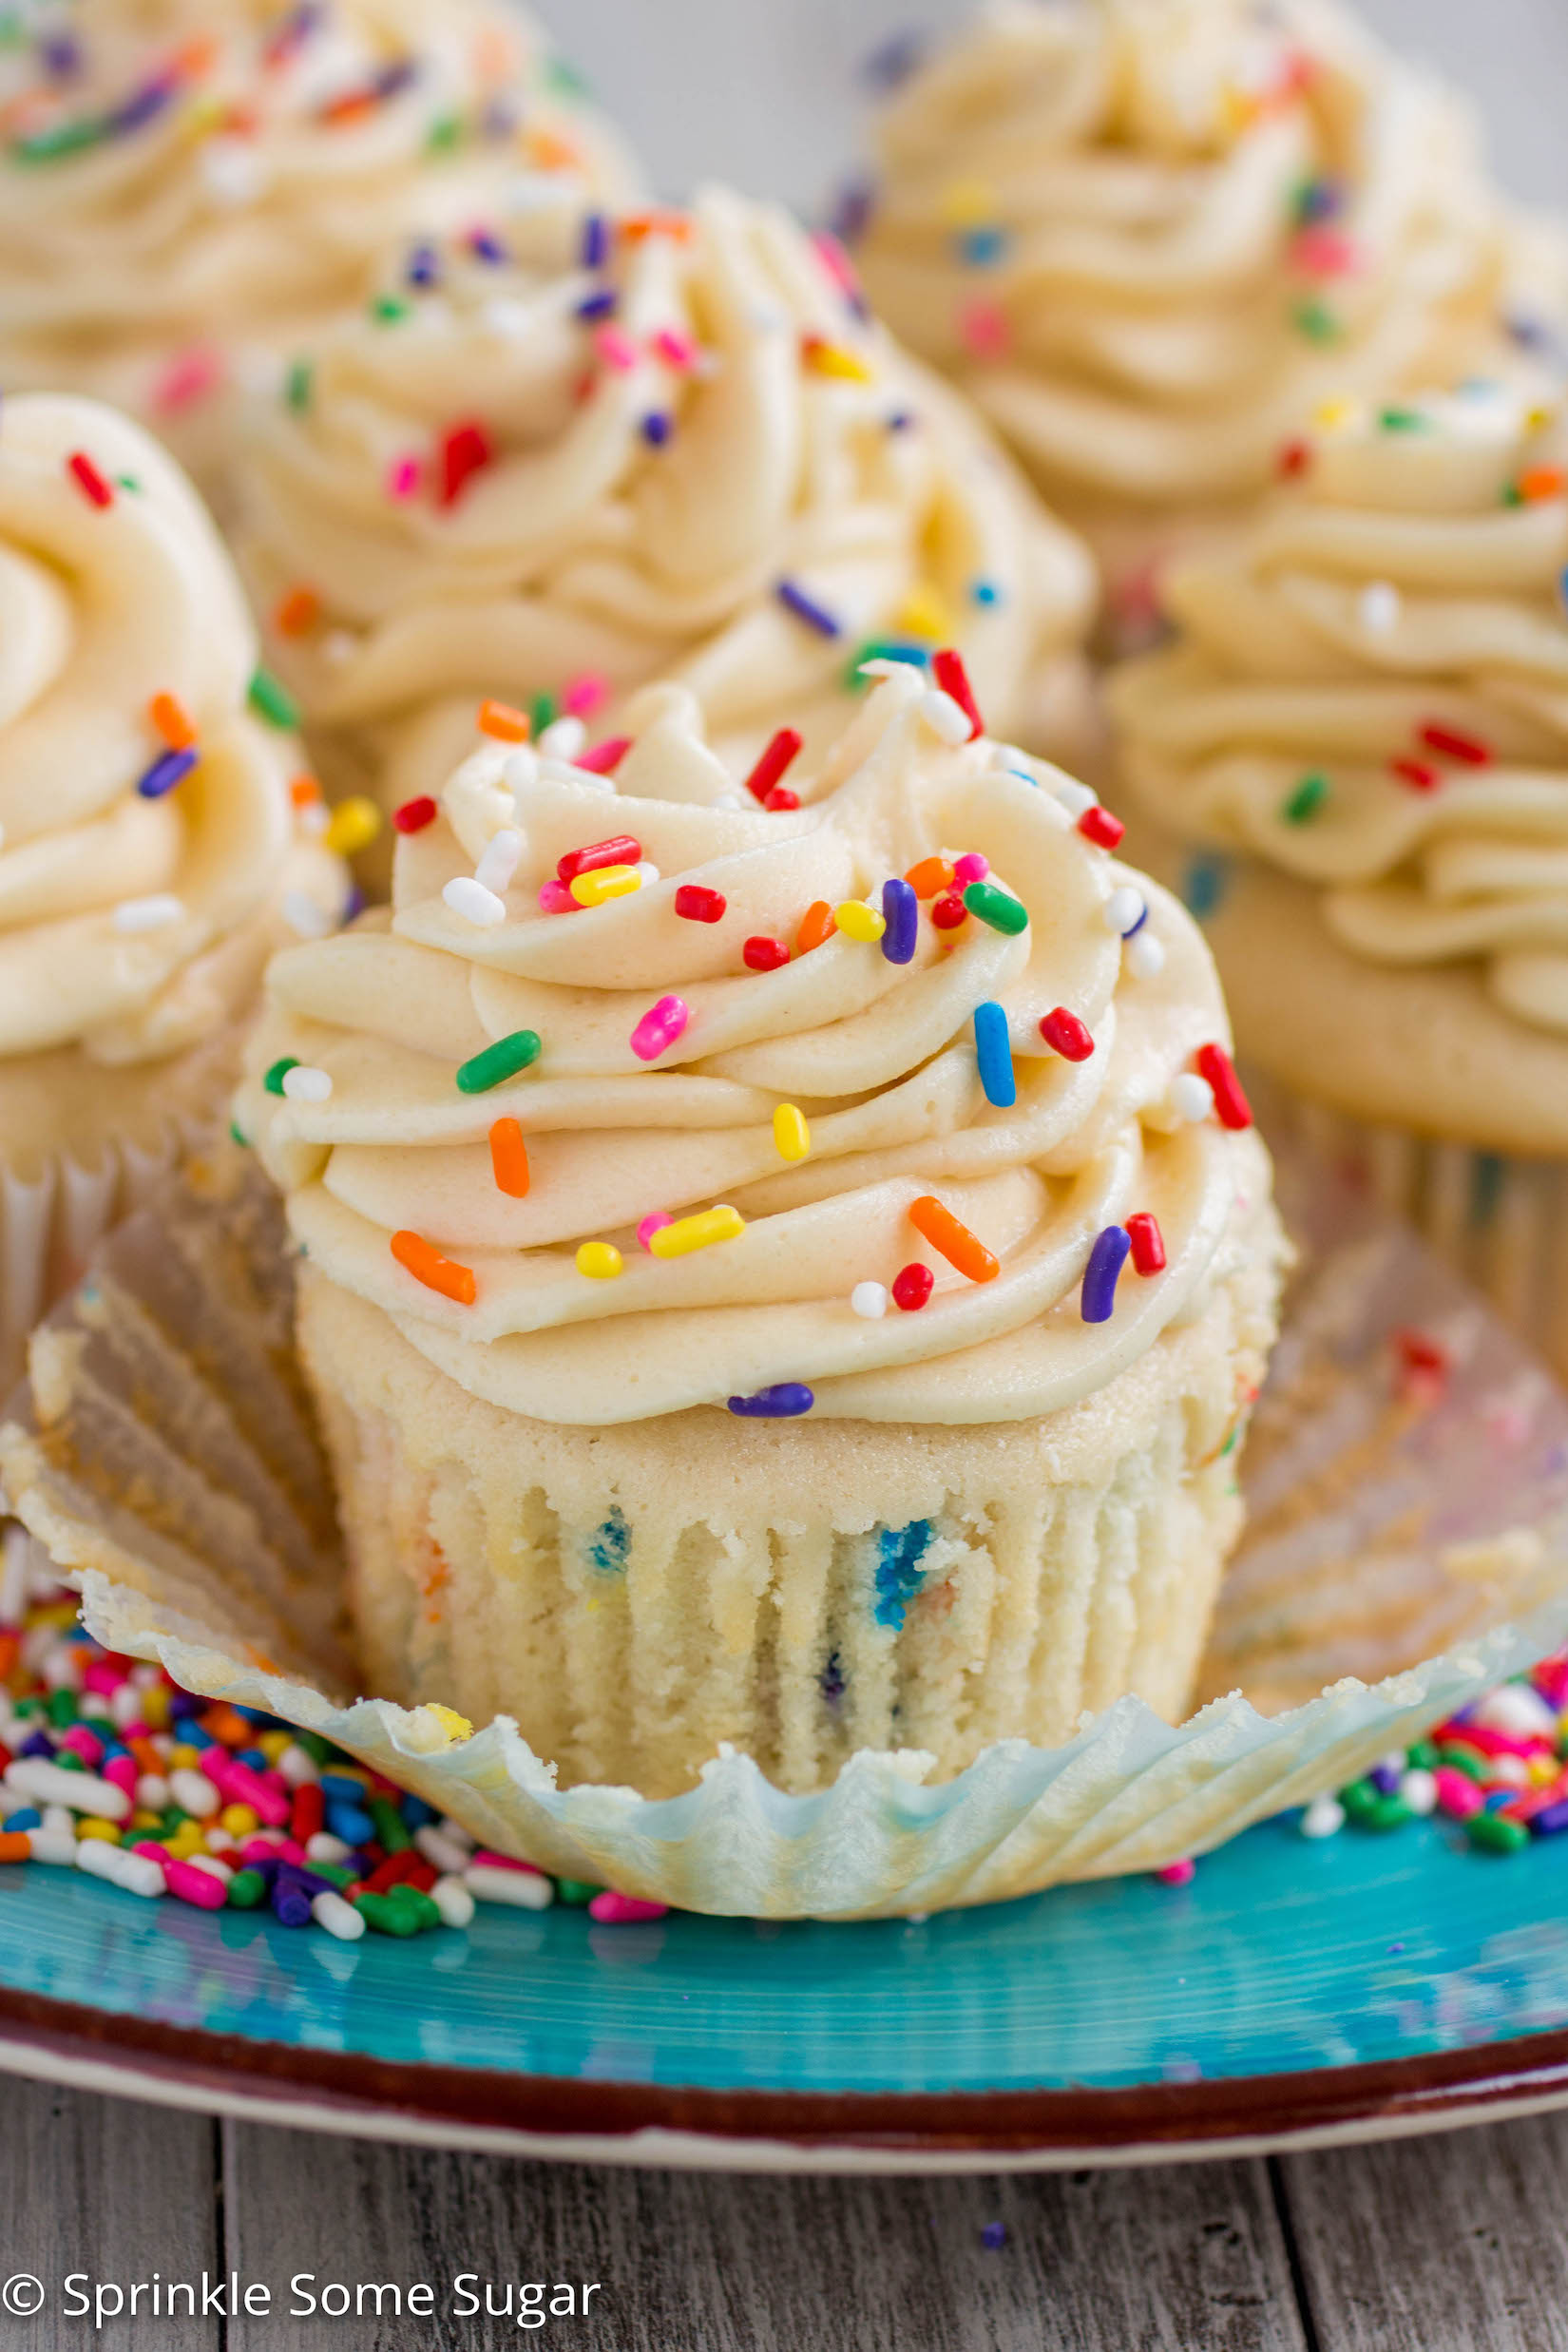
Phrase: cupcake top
x=1370 y=695
x=1148 y=234
x=908 y=1103
x=151 y=850
x=592 y=452
x=185 y=180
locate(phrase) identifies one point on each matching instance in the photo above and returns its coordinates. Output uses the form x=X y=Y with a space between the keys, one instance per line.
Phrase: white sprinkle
x=1379 y=607
x=338 y=1917
x=16 y=1549
x=138 y=1874
x=1418 y=1790
x=1512 y=1769
x=945 y=716
x=148 y=914
x=1323 y=1818
x=338 y=647
x=152 y=1793
x=1145 y=956
x=194 y=1792
x=444 y=1852
x=324 y=1846
x=880 y=668
x=305 y=1085
x=507 y=315
x=54 y=1846
x=210 y=1863
x=469 y=899
x=1074 y=797
x=1518 y=1710
x=304 y=917
x=649 y=873
x=454 y=1900
x=59 y=1818
x=521 y=771
x=297 y=1767
x=221 y=1842
x=231 y=171
x=458 y=1835
x=124 y=1705
x=563 y=739
x=869 y=1301
x=79 y=1792
x=503 y=854
x=524 y=1890
x=1191 y=1097
x=1124 y=911
x=313 y=819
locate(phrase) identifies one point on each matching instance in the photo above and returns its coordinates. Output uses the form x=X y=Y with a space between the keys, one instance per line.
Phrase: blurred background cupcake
x=551 y=466
x=1147 y=235
x=155 y=844
x=1355 y=750
x=187 y=186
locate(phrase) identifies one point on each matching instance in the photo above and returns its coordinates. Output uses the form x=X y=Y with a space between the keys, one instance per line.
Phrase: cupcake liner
x=1410 y=1479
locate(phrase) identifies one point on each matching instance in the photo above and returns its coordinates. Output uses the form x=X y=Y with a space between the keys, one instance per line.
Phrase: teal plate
x=1292 y=1994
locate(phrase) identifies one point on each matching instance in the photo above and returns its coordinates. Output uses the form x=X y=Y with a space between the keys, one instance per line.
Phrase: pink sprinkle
x=554 y=898
x=585 y=695
x=1551 y=1679
x=202 y=1887
x=620 y=1910
x=677 y=348
x=1177 y=1873
x=617 y=351
x=1325 y=253
x=189 y=378
x=122 y=1772
x=244 y=1787
x=984 y=329
x=1458 y=1795
x=659 y=1028
x=1490 y=1743
x=603 y=758
x=504 y=1861
x=837 y=263
x=104 y=1677
x=971 y=867
x=403 y=478
x=653 y=1223
x=274 y=1849
x=83 y=1743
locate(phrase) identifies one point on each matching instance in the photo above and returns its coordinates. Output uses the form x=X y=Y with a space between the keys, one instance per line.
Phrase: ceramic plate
x=1294 y=1994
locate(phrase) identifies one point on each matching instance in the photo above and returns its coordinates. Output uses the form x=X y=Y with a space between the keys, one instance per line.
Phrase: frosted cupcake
x=1365 y=713
x=150 y=851
x=668 y=445
x=186 y=187
x=1149 y=235
x=791 y=1278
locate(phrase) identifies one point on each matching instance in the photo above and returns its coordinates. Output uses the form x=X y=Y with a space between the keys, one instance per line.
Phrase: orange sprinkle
x=930 y=877
x=509 y=1157
x=304 y=792
x=954 y=1241
x=817 y=925
x=172 y=722
x=146 y=1753
x=638 y=226
x=10 y=1650
x=551 y=152
x=502 y=721
x=197 y=58
x=228 y=1726
x=436 y=1273
x=297 y=613
x=15 y=1845
x=1540 y=482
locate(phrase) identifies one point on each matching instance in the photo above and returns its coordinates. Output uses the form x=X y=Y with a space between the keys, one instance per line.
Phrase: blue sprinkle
x=594 y=249
x=657 y=428
x=27 y=1817
x=901 y=913
x=782 y=1401
x=851 y=211
x=994 y=2235
x=894 y=60
x=1205 y=886
x=1320 y=199
x=1106 y=1260
x=167 y=770
x=900 y=1550
x=600 y=305
x=816 y=616
x=1486 y=1173
x=424 y=266
x=487 y=247
x=351 y=1823
x=985 y=592
x=611 y=1544
x=902 y=420
x=341 y=1788
x=830 y=1683
x=981 y=249
x=1549 y=1823
x=994 y=1051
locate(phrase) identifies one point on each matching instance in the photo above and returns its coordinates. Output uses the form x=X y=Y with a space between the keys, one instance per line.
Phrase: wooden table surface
x=1453 y=2243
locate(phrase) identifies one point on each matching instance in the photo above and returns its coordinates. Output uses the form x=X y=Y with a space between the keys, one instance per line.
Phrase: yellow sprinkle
x=1331 y=414
x=272 y=1744
x=182 y=1754
x=858 y=920
x=592 y=889
x=1537 y=420
x=600 y=1260
x=923 y=613
x=92 y=1827
x=456 y=1727
x=240 y=1821
x=697 y=1233
x=187 y=1840
x=155 y=1706
x=353 y=826
x=143 y=1819
x=1544 y=1770
x=968 y=205
x=833 y=359
x=791 y=1133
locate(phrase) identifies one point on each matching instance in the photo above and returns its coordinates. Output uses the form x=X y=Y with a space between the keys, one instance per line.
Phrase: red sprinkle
x=90 y=479
x=1295 y=458
x=1148 y=1243
x=1419 y=1352
x=603 y=758
x=912 y=1287
x=1454 y=746
x=412 y=816
x=1417 y=773
x=1066 y=1035
x=1099 y=826
x=953 y=679
x=770 y=769
x=764 y=955
x=697 y=904
x=781 y=797
x=949 y=912
x=620 y=849
x=464 y=451
x=1231 y=1107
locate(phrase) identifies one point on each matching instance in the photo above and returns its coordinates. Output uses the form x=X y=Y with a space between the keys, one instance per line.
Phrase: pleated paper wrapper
x=1408 y=1549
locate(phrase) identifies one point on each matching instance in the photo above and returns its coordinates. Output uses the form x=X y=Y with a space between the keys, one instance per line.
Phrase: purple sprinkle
x=1385 y=1779
x=900 y=421
x=994 y=2235
x=851 y=213
x=485 y=247
x=600 y=305
x=36 y=1744
x=1551 y=1821
x=500 y=120
x=657 y=428
x=594 y=250
x=400 y=75
x=144 y=105
x=1106 y=1260
x=816 y=616
x=290 y=1902
x=783 y=1402
x=167 y=770
x=901 y=913
x=893 y=61
x=59 y=54
x=424 y=267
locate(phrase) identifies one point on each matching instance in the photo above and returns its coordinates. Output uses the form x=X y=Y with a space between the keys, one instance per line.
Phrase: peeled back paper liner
x=1408 y=1549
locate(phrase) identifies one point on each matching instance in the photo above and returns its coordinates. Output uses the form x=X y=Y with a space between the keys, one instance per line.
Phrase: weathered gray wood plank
x=1188 y=2260
x=1453 y=2243
x=113 y=2190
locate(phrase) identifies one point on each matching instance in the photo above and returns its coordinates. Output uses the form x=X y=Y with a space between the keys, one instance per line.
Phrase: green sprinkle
x=391 y=1834
x=274 y=1079
x=882 y=649
x=576 y=1891
x=1306 y=800
x=1495 y=1834
x=389 y=308
x=272 y=698
x=246 y=1889
x=541 y=713
x=1402 y=420
x=499 y=1061
x=444 y=134
x=1316 y=321
x=128 y=481
x=1366 y=1804
x=389 y=1918
x=68 y=1761
x=1513 y=495
x=297 y=384
x=61 y=138
x=562 y=75
x=234 y=1136
x=1463 y=1760
x=417 y=1903
x=61 y=1708
x=318 y=1750
x=340 y=1877
x=1423 y=1757
x=1000 y=908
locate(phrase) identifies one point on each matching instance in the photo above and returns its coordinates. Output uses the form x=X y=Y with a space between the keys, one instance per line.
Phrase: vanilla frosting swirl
x=878 y=1056
x=187 y=184
x=678 y=419
x=132 y=922
x=1147 y=235
x=1371 y=694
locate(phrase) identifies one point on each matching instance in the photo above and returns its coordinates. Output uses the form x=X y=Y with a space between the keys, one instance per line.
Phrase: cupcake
x=605 y=451
x=1359 y=740
x=150 y=852
x=1149 y=235
x=187 y=186
x=793 y=1279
